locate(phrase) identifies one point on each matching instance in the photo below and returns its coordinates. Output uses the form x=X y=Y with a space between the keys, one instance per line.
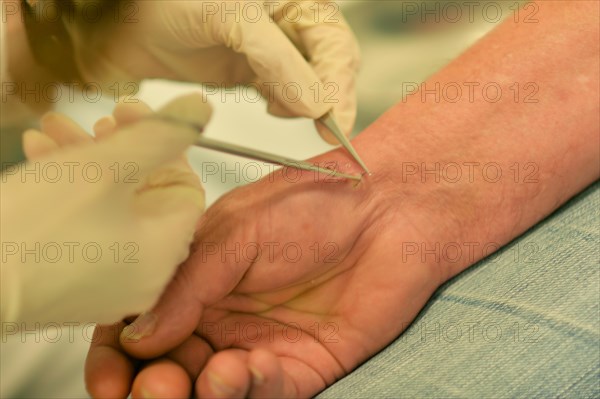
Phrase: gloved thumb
x=160 y=137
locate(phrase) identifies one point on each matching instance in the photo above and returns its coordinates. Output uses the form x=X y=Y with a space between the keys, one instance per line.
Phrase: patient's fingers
x=37 y=145
x=165 y=378
x=192 y=355
x=162 y=379
x=225 y=376
x=108 y=370
x=268 y=377
x=63 y=130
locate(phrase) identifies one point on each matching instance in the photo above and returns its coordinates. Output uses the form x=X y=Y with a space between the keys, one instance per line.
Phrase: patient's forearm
x=546 y=150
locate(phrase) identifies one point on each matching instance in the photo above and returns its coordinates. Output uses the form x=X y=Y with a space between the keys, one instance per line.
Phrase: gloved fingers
x=335 y=57
x=284 y=77
x=124 y=114
x=171 y=174
x=157 y=197
x=128 y=113
x=175 y=206
x=105 y=127
x=173 y=191
x=37 y=145
x=163 y=137
x=63 y=130
x=108 y=370
x=334 y=54
x=319 y=30
x=192 y=108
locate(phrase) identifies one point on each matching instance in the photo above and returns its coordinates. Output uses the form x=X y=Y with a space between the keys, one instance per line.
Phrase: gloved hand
x=100 y=233
x=227 y=43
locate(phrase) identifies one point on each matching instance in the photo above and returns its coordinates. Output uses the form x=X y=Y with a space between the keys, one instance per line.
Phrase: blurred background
x=401 y=41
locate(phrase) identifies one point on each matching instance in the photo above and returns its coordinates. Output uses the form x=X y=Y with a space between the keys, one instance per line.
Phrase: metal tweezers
x=257 y=155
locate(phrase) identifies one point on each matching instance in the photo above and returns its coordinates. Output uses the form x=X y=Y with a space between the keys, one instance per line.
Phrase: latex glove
x=237 y=42
x=140 y=214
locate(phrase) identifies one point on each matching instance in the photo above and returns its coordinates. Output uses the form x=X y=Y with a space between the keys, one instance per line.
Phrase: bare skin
x=373 y=289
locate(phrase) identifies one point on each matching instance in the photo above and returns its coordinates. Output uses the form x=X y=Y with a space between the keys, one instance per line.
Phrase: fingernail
x=142 y=327
x=257 y=377
x=219 y=387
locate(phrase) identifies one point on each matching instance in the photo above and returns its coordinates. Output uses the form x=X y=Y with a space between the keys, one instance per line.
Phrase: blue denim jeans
x=522 y=323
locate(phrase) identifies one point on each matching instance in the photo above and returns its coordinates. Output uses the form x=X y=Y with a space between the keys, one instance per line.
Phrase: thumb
x=334 y=54
x=167 y=325
x=160 y=137
x=207 y=277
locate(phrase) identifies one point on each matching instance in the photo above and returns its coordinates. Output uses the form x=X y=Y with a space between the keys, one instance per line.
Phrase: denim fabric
x=522 y=323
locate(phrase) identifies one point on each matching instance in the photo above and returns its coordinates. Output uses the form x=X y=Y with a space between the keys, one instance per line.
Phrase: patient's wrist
x=477 y=184
x=462 y=195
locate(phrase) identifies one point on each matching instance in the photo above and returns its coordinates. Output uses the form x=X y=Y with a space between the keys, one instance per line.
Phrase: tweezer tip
x=329 y=121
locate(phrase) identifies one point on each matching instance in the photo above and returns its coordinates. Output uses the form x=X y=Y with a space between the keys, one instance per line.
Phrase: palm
x=319 y=330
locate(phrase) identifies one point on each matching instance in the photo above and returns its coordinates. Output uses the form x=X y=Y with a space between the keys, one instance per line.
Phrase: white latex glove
x=142 y=229
x=263 y=43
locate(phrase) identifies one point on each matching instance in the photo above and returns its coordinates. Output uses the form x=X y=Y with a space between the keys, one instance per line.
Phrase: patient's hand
x=290 y=287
